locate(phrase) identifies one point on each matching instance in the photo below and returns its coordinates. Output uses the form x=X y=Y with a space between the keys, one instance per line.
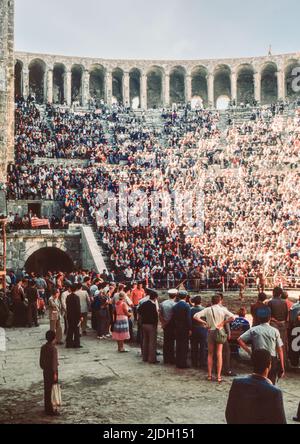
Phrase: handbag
x=220 y=334
x=56 y=395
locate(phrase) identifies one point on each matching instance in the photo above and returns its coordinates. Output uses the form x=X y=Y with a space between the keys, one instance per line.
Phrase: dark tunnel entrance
x=49 y=259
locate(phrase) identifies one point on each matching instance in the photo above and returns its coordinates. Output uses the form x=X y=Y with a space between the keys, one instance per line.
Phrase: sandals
x=209 y=378
x=220 y=380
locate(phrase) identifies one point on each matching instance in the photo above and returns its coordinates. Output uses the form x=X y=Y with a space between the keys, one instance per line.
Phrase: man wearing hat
x=265 y=337
x=183 y=327
x=167 y=323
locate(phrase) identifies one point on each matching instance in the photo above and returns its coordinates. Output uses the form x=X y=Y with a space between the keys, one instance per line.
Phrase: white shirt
x=84 y=300
x=214 y=315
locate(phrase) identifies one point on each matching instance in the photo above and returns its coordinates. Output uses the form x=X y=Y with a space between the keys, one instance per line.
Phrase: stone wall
x=6 y=85
x=22 y=244
x=48 y=208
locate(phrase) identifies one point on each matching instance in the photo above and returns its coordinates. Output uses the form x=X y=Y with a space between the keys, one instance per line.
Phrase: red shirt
x=136 y=295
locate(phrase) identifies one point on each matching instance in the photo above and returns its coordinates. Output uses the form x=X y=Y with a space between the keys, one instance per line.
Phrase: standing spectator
x=199 y=337
x=63 y=299
x=84 y=306
x=149 y=320
x=32 y=296
x=167 y=323
x=217 y=317
x=121 y=325
x=101 y=308
x=254 y=400
x=266 y=337
x=73 y=318
x=183 y=329
x=55 y=310
x=279 y=317
x=260 y=303
x=137 y=294
x=294 y=322
x=49 y=365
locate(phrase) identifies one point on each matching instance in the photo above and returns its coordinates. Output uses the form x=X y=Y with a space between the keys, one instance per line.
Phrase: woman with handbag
x=216 y=317
x=55 y=312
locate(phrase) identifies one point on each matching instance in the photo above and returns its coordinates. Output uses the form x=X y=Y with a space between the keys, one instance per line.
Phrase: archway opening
x=269 y=87
x=177 y=86
x=97 y=90
x=222 y=83
x=154 y=88
x=37 y=69
x=77 y=84
x=117 y=86
x=59 y=84
x=222 y=103
x=292 y=80
x=49 y=259
x=199 y=84
x=135 y=88
x=18 y=79
x=197 y=102
x=245 y=86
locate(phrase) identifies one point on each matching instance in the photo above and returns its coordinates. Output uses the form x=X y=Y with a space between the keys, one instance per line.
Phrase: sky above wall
x=158 y=29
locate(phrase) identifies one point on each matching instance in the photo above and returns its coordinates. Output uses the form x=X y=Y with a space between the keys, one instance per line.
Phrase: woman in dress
x=121 y=325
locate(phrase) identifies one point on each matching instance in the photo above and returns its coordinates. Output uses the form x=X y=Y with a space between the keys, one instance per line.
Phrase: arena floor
x=104 y=387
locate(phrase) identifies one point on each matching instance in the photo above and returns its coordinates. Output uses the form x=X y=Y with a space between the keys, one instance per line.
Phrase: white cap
x=173 y=291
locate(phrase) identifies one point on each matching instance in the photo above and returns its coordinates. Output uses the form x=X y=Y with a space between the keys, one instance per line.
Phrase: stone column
x=166 y=90
x=210 y=88
x=143 y=92
x=49 y=86
x=257 y=86
x=234 y=87
x=85 y=88
x=126 y=89
x=25 y=79
x=188 y=88
x=108 y=87
x=68 y=87
x=281 y=85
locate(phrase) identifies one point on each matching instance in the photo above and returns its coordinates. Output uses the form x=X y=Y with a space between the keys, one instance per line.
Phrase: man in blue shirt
x=183 y=327
x=254 y=399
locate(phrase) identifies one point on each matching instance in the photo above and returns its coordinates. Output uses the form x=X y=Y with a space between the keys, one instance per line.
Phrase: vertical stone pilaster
x=281 y=85
x=85 y=87
x=233 y=80
x=144 y=91
x=68 y=87
x=210 y=89
x=166 y=90
x=108 y=87
x=126 y=89
x=257 y=86
x=188 y=88
x=49 y=86
x=25 y=79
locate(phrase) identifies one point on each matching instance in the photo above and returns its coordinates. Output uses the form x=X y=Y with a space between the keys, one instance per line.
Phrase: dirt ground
x=101 y=386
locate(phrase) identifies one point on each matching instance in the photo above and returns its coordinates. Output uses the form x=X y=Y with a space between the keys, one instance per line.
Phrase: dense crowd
x=247 y=172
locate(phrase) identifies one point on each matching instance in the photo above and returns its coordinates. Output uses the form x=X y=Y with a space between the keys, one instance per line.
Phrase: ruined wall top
x=257 y=63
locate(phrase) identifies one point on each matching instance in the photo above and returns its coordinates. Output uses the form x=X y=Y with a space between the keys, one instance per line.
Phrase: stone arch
x=222 y=82
x=117 y=85
x=77 y=77
x=292 y=82
x=59 y=71
x=48 y=259
x=18 y=78
x=199 y=84
x=97 y=83
x=37 y=71
x=155 y=87
x=135 y=88
x=177 y=85
x=245 y=84
x=269 y=85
